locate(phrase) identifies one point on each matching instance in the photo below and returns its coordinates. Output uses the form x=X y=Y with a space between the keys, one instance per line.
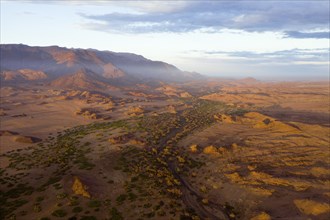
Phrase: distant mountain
x=142 y=68
x=248 y=80
x=65 y=65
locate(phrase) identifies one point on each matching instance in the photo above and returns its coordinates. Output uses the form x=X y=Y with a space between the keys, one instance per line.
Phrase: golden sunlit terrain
x=208 y=149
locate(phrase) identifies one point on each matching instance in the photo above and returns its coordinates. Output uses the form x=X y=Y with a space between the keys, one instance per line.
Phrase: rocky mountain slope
x=22 y=74
x=81 y=79
x=108 y=67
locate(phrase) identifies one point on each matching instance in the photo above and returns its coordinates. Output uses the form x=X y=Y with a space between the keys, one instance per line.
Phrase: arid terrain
x=78 y=147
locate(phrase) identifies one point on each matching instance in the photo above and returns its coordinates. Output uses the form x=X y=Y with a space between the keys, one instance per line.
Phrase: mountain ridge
x=110 y=67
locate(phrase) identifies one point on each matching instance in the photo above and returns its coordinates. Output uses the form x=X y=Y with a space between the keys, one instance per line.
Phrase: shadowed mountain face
x=101 y=66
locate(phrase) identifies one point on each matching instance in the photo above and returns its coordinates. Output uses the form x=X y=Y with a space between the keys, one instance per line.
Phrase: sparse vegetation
x=77 y=209
x=115 y=214
x=159 y=164
x=59 y=213
x=94 y=204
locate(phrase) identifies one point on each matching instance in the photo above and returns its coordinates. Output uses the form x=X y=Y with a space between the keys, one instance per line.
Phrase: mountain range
x=87 y=68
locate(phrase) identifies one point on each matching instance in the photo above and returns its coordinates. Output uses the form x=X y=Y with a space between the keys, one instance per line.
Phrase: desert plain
x=203 y=149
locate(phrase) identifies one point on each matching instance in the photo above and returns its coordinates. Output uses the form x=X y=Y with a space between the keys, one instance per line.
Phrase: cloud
x=296 y=19
x=295 y=64
x=188 y=16
x=141 y=6
x=295 y=56
x=28 y=13
x=155 y=6
x=303 y=35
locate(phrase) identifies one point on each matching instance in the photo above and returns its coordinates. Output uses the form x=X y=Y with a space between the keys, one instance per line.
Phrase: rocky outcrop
x=79 y=188
x=135 y=111
x=311 y=207
x=26 y=139
x=7 y=133
x=211 y=150
x=87 y=113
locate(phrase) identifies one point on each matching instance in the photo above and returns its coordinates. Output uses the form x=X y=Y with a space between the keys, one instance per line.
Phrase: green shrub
x=77 y=209
x=88 y=218
x=150 y=215
x=132 y=196
x=161 y=213
x=115 y=214
x=59 y=213
x=40 y=198
x=121 y=198
x=37 y=208
x=147 y=205
x=61 y=195
x=94 y=204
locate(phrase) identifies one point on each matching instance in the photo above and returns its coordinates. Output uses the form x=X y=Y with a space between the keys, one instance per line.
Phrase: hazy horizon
x=276 y=40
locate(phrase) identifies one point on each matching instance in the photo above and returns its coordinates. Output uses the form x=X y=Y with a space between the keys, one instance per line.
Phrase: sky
x=268 y=40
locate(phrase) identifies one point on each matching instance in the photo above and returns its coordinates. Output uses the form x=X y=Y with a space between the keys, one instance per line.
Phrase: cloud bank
x=303 y=64
x=304 y=35
x=295 y=56
x=295 y=19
